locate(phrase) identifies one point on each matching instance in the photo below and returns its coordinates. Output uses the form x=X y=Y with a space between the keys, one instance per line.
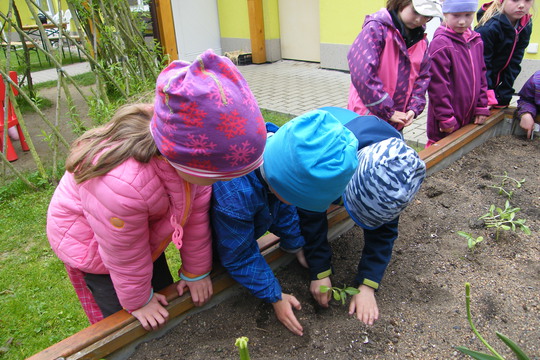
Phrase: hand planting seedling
x=483 y=356
x=471 y=240
x=505 y=180
x=340 y=294
x=504 y=219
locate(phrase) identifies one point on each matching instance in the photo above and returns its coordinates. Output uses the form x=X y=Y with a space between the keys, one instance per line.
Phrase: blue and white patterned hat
x=388 y=176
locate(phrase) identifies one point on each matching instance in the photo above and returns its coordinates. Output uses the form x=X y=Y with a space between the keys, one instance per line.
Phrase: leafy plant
x=504 y=219
x=505 y=181
x=241 y=344
x=340 y=294
x=520 y=354
x=471 y=240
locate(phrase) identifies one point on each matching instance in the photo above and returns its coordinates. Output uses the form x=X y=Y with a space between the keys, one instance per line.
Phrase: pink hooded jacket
x=119 y=223
x=386 y=76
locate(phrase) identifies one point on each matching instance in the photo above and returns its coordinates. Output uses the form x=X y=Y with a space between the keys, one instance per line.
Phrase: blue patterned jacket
x=243 y=209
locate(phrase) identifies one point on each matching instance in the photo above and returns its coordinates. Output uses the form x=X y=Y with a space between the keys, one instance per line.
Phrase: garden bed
x=421 y=300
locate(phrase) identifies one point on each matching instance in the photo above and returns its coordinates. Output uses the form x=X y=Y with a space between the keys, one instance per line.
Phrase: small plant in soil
x=507 y=181
x=504 y=219
x=520 y=354
x=340 y=294
x=471 y=240
x=242 y=345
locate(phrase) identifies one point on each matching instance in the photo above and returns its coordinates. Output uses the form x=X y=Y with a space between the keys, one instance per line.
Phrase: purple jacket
x=458 y=87
x=387 y=76
x=529 y=96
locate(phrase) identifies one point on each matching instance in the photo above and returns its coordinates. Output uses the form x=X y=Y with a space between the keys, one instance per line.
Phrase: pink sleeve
x=118 y=214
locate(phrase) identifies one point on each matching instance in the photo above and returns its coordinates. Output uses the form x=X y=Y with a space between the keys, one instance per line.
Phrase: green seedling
x=520 y=354
x=242 y=345
x=504 y=219
x=340 y=294
x=505 y=181
x=471 y=240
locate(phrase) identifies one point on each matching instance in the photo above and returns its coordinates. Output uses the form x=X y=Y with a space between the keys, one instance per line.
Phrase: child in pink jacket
x=458 y=86
x=141 y=181
x=389 y=63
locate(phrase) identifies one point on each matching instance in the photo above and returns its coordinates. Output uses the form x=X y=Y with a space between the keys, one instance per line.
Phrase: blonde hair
x=126 y=135
x=495 y=8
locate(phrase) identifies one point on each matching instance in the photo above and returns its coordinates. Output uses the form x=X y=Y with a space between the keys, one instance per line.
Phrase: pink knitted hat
x=206 y=120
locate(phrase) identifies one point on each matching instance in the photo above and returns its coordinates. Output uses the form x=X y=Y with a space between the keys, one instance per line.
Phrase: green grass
x=18 y=64
x=39 y=306
x=275 y=117
x=85 y=79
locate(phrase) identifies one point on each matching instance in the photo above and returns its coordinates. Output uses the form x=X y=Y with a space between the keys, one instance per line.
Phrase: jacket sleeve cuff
x=146 y=303
x=324 y=274
x=290 y=251
x=184 y=275
x=492 y=98
x=448 y=124
x=371 y=284
x=482 y=111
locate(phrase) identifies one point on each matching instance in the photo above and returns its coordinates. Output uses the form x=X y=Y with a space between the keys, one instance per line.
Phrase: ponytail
x=100 y=150
x=494 y=8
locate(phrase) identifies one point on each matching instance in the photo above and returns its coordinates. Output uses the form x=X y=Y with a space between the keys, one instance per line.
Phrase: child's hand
x=527 y=124
x=153 y=315
x=285 y=314
x=449 y=130
x=480 y=119
x=365 y=305
x=399 y=117
x=409 y=118
x=315 y=287
x=201 y=290
x=302 y=258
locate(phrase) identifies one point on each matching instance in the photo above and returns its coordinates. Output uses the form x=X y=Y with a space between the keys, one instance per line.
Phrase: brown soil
x=422 y=302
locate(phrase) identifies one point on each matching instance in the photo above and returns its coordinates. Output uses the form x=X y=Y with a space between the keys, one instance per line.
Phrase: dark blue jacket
x=504 y=47
x=378 y=243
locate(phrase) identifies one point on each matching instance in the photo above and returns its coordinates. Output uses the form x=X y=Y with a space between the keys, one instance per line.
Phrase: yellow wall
x=234 y=19
x=26 y=16
x=271 y=19
x=535 y=37
x=341 y=20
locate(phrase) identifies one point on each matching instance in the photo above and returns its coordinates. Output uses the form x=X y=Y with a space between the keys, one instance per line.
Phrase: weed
x=505 y=181
x=340 y=294
x=504 y=219
x=483 y=356
x=471 y=240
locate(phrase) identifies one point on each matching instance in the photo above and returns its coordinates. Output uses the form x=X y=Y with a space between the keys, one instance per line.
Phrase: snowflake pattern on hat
x=206 y=120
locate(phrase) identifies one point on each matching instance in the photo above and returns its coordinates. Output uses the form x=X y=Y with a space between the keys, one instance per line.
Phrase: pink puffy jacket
x=119 y=223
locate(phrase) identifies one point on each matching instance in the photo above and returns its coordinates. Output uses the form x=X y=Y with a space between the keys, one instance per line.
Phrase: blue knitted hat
x=388 y=176
x=309 y=160
x=457 y=6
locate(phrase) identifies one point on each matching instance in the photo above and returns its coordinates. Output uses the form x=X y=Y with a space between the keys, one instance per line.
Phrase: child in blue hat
x=308 y=163
x=388 y=175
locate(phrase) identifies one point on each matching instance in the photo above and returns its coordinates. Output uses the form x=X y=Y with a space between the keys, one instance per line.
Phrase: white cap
x=430 y=8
